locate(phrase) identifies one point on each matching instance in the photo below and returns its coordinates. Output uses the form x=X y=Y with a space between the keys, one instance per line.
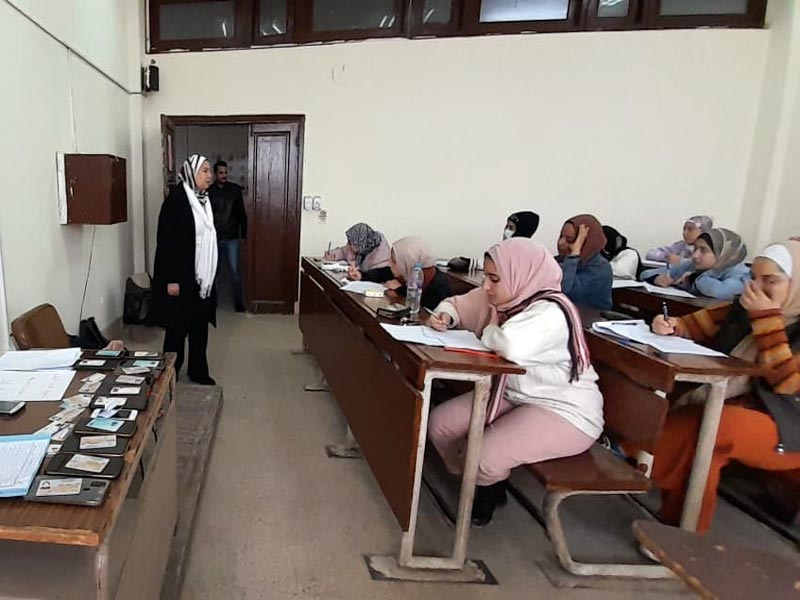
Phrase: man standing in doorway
x=230 y=219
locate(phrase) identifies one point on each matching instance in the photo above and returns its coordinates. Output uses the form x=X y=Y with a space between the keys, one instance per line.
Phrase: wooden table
x=461 y=283
x=118 y=550
x=716 y=570
x=640 y=303
x=662 y=372
x=383 y=388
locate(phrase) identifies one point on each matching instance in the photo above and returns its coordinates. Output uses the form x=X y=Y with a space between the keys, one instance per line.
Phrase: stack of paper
x=361 y=287
x=35 y=360
x=653 y=289
x=334 y=267
x=427 y=336
x=34 y=386
x=638 y=331
x=20 y=459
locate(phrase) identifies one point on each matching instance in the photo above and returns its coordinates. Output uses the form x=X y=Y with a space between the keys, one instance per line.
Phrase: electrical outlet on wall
x=317 y=205
x=308 y=203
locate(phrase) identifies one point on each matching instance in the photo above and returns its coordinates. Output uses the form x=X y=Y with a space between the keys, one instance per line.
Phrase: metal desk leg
x=454 y=568
x=706 y=440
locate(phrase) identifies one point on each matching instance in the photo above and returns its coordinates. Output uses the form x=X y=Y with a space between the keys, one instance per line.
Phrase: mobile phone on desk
x=10 y=408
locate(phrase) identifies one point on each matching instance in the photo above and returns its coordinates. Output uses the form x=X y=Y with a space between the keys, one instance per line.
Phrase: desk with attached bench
x=117 y=550
x=386 y=406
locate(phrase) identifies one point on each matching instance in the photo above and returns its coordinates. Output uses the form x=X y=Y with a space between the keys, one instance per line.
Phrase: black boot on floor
x=487 y=498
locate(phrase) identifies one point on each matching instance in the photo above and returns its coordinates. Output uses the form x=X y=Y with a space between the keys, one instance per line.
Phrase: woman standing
x=184 y=296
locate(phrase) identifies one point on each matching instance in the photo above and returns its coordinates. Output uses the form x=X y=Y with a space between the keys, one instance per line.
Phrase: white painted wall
x=54 y=102
x=444 y=138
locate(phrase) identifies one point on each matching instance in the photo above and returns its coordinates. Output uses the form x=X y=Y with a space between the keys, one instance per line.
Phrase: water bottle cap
x=419 y=264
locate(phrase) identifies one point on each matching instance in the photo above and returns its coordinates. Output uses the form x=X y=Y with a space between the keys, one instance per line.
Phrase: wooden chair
x=40 y=327
x=633 y=414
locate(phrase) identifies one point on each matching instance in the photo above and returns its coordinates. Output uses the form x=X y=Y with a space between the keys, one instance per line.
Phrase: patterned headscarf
x=727 y=246
x=364 y=238
x=702 y=222
x=189 y=170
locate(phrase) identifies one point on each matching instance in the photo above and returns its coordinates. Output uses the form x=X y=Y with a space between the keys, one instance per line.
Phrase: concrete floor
x=278 y=519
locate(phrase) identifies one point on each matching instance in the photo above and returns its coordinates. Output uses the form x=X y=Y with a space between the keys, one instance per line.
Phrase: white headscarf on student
x=205 y=250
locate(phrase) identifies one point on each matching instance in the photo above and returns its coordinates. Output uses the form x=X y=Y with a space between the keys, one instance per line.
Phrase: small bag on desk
x=394 y=311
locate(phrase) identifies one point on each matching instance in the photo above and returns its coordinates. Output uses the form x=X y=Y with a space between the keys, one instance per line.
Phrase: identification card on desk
x=90 y=464
x=130 y=380
x=147 y=364
x=97 y=442
x=94 y=378
x=91 y=363
x=111 y=425
x=90 y=388
x=108 y=353
x=126 y=391
x=142 y=354
x=135 y=370
x=67 y=415
x=59 y=487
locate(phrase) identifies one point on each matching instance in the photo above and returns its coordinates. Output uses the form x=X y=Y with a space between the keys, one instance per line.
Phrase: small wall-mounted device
x=317 y=205
x=150 y=78
x=308 y=203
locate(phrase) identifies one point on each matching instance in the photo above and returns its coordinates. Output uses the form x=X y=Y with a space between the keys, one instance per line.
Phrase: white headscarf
x=205 y=249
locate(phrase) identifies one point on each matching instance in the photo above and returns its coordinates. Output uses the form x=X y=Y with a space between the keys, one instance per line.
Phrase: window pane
x=613 y=8
x=494 y=11
x=344 y=15
x=703 y=7
x=198 y=20
x=273 y=17
x=436 y=12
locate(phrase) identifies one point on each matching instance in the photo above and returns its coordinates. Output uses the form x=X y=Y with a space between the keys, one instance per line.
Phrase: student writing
x=368 y=252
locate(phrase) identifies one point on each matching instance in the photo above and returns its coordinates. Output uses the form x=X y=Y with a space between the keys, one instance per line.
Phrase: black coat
x=230 y=217
x=175 y=250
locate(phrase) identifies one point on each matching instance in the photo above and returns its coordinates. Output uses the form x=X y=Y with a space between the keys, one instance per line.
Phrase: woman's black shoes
x=487 y=499
x=203 y=380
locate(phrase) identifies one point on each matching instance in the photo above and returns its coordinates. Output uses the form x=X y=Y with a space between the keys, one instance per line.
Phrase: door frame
x=252 y=120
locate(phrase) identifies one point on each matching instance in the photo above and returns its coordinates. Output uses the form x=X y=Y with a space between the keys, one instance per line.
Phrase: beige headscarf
x=409 y=251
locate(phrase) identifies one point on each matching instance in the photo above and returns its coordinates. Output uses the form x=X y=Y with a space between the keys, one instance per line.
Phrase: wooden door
x=273 y=237
x=168 y=161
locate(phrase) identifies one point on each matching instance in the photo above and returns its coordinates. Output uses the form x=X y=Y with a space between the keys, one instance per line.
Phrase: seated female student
x=368 y=252
x=555 y=409
x=587 y=275
x=625 y=262
x=716 y=270
x=682 y=249
x=405 y=255
x=519 y=224
x=760 y=425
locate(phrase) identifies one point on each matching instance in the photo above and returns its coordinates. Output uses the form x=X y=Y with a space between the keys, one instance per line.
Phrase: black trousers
x=195 y=327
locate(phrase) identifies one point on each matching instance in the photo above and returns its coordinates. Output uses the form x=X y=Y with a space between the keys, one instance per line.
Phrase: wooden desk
x=383 y=388
x=118 y=550
x=461 y=283
x=720 y=571
x=640 y=303
x=661 y=372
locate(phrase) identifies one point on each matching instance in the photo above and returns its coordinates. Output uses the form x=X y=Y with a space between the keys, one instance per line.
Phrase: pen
x=474 y=352
x=329 y=248
x=665 y=311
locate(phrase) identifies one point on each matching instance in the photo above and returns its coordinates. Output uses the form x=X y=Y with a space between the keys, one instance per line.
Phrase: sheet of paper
x=670 y=291
x=34 y=386
x=430 y=337
x=638 y=331
x=361 y=287
x=626 y=283
x=334 y=267
x=20 y=459
x=32 y=360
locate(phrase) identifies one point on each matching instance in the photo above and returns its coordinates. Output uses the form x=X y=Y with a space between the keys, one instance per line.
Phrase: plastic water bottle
x=414 y=290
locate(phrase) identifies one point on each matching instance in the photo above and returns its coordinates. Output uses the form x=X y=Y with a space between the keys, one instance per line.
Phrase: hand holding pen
x=663 y=324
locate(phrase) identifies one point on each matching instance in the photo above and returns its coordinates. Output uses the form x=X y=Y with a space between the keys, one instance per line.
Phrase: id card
x=112 y=425
x=50 y=429
x=146 y=364
x=146 y=354
x=53 y=449
x=59 y=487
x=130 y=380
x=125 y=391
x=109 y=353
x=90 y=388
x=62 y=433
x=98 y=442
x=67 y=415
x=91 y=362
x=90 y=464
x=135 y=370
x=79 y=400
x=94 y=378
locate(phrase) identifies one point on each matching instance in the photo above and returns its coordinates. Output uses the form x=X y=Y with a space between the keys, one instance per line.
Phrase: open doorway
x=264 y=155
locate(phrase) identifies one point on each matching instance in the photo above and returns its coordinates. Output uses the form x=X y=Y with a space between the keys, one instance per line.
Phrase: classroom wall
x=444 y=138
x=52 y=101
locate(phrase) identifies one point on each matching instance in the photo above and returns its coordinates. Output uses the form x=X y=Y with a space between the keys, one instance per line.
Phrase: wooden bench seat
x=596 y=470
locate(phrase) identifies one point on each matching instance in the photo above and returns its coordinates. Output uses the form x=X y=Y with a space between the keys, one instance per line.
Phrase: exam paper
x=638 y=331
x=653 y=289
x=427 y=336
x=33 y=360
x=20 y=458
x=361 y=287
x=34 y=386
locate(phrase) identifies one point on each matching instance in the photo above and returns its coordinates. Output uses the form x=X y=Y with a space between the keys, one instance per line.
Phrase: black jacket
x=175 y=249
x=230 y=218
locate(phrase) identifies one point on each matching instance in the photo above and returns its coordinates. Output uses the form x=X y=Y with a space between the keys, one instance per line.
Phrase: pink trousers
x=520 y=435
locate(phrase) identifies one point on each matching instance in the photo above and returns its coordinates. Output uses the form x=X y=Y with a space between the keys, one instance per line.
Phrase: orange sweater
x=781 y=369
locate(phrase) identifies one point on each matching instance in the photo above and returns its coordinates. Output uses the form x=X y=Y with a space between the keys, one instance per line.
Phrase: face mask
x=508 y=234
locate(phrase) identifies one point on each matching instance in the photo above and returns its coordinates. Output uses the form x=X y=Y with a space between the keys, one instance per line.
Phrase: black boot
x=487 y=498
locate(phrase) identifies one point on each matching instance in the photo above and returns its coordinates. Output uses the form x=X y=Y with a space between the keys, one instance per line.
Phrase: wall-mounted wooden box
x=92 y=189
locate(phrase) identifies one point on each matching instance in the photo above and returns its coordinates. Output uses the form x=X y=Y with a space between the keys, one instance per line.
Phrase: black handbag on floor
x=90 y=336
x=138 y=300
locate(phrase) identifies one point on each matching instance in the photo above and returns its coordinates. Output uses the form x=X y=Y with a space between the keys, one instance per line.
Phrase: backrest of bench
x=631 y=411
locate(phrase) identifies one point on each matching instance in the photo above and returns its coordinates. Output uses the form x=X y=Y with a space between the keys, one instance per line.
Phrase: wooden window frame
x=472 y=24
x=592 y=21
x=242 y=18
x=416 y=28
x=304 y=32
x=754 y=17
x=272 y=40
